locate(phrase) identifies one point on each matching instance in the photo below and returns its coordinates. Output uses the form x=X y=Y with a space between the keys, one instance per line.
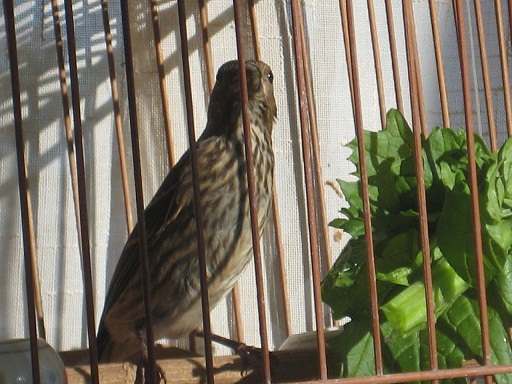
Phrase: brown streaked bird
x=171 y=228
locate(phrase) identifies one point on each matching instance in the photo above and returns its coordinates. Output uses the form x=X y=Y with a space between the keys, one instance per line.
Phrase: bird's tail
x=105 y=343
x=109 y=350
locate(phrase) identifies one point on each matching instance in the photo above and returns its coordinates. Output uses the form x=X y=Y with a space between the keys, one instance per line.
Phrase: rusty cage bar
x=397 y=52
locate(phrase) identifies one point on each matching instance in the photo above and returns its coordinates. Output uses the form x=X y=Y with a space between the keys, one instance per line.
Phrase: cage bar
x=59 y=45
x=377 y=62
x=253 y=208
x=315 y=149
x=28 y=249
x=117 y=113
x=139 y=196
x=276 y=218
x=84 y=227
x=504 y=59
x=489 y=103
x=414 y=70
x=439 y=63
x=203 y=14
x=419 y=132
x=305 y=125
x=302 y=65
x=475 y=210
x=164 y=94
x=205 y=305
x=394 y=57
x=358 y=120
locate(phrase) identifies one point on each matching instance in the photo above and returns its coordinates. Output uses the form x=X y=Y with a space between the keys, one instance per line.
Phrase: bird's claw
x=245 y=352
x=142 y=375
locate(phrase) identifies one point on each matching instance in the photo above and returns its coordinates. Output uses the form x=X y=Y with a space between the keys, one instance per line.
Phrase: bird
x=175 y=303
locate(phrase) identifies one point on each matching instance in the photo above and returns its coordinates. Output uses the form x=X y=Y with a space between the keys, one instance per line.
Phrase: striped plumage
x=171 y=228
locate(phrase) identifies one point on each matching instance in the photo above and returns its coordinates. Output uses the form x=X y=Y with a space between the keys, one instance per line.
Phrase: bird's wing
x=161 y=209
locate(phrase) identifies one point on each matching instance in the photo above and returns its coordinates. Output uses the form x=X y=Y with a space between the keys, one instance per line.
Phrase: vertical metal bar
x=38 y=300
x=276 y=219
x=413 y=67
x=32 y=243
x=161 y=82
x=283 y=279
x=139 y=197
x=504 y=60
x=254 y=28
x=235 y=292
x=281 y=266
x=358 y=118
x=10 y=31
x=275 y=202
x=346 y=43
x=205 y=306
x=377 y=62
x=203 y=16
x=509 y=17
x=475 y=213
x=489 y=104
x=394 y=55
x=408 y=14
x=117 y=114
x=439 y=63
x=253 y=208
x=84 y=227
x=237 y=305
x=317 y=166
x=310 y=202
x=315 y=145
x=67 y=118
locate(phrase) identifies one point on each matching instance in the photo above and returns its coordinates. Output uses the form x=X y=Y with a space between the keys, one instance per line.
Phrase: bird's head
x=225 y=102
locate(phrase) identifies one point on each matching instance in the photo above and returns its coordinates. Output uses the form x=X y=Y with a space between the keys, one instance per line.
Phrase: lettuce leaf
x=398 y=258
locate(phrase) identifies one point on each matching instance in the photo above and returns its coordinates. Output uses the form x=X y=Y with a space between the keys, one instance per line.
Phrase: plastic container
x=16 y=366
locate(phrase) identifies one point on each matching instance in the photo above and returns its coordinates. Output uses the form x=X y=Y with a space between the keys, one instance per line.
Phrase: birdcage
x=101 y=98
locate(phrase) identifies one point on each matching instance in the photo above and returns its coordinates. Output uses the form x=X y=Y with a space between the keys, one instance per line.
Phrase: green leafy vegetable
x=398 y=257
x=407 y=310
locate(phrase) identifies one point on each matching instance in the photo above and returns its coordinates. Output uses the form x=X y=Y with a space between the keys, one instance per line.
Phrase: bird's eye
x=270 y=77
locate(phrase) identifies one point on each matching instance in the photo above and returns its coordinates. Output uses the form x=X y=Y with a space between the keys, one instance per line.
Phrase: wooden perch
x=185 y=368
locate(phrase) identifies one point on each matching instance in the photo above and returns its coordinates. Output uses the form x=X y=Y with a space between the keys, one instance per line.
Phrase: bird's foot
x=249 y=354
x=246 y=351
x=143 y=372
